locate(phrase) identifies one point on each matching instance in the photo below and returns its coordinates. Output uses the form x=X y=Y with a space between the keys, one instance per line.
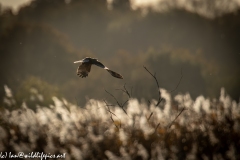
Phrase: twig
x=154 y=76
x=129 y=96
x=125 y=103
x=176 y=117
x=156 y=127
x=113 y=97
x=150 y=116
x=111 y=113
x=123 y=108
x=125 y=90
x=108 y=109
x=114 y=122
x=178 y=82
x=119 y=104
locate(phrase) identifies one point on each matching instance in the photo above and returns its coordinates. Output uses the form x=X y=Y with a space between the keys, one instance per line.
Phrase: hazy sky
x=207 y=8
x=14 y=3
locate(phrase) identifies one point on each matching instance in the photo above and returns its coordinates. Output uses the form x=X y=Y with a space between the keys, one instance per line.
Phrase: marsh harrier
x=85 y=67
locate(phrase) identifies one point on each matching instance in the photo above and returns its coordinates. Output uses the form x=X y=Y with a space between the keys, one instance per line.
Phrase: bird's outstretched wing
x=84 y=69
x=99 y=64
x=114 y=74
x=83 y=60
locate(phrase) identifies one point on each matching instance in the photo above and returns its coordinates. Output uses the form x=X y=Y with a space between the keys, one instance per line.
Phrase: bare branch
x=178 y=82
x=125 y=103
x=176 y=117
x=119 y=104
x=125 y=90
x=108 y=109
x=154 y=76
x=108 y=104
x=156 y=128
x=113 y=97
x=114 y=122
x=123 y=106
x=111 y=113
x=129 y=96
x=150 y=116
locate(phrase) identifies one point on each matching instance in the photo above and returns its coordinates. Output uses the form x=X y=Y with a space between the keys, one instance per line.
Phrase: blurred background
x=191 y=45
x=40 y=40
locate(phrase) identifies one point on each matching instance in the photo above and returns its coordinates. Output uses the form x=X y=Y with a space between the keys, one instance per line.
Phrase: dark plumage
x=85 y=67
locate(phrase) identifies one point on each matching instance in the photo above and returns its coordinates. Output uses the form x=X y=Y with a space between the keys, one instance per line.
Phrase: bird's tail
x=114 y=74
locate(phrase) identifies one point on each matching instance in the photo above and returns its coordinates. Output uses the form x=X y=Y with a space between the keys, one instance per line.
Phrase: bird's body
x=85 y=67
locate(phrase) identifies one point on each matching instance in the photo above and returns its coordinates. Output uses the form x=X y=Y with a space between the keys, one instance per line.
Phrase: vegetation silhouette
x=208 y=129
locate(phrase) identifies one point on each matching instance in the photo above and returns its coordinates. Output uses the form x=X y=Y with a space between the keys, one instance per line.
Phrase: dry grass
x=206 y=129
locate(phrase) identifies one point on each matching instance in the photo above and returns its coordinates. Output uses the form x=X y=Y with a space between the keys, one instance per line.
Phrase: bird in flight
x=85 y=67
